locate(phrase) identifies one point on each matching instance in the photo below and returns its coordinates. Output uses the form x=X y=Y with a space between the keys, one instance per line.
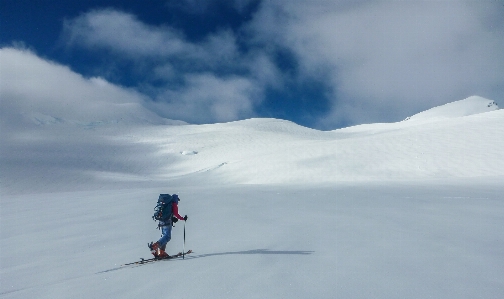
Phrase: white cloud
x=214 y=81
x=207 y=98
x=30 y=84
x=381 y=60
x=110 y=29
x=385 y=59
x=124 y=34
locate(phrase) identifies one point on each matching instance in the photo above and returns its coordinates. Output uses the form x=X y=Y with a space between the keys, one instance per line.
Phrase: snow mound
x=469 y=106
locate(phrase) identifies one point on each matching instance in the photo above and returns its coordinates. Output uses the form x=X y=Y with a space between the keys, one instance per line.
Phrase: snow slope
x=275 y=151
x=379 y=241
x=470 y=106
x=405 y=210
x=259 y=151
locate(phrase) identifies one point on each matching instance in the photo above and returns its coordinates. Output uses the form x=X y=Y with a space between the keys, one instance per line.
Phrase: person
x=158 y=248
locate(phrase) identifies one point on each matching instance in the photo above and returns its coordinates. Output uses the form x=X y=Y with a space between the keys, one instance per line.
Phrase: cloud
x=31 y=86
x=50 y=120
x=385 y=60
x=122 y=32
x=210 y=80
x=207 y=98
x=375 y=60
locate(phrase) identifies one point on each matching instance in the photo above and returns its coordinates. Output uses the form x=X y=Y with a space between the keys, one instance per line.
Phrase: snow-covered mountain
x=460 y=139
x=79 y=130
x=276 y=151
x=469 y=106
x=400 y=210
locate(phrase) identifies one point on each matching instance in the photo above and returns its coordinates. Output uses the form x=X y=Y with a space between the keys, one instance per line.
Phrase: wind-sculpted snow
x=402 y=210
x=263 y=151
x=255 y=151
x=356 y=241
x=470 y=106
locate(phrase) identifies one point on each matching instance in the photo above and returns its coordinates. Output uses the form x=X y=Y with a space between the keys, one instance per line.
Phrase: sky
x=321 y=64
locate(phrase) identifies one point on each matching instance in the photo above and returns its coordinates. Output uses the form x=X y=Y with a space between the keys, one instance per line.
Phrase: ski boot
x=162 y=254
x=154 y=248
x=158 y=252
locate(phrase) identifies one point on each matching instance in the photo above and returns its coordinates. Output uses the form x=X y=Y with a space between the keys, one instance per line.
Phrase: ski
x=151 y=260
x=145 y=261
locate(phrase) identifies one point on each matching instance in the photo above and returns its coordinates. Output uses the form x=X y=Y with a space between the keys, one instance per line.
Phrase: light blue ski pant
x=165 y=235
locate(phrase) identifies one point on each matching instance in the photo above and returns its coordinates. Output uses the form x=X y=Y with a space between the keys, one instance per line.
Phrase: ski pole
x=183 y=246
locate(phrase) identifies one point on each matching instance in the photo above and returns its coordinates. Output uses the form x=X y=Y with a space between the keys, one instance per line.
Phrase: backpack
x=163 y=210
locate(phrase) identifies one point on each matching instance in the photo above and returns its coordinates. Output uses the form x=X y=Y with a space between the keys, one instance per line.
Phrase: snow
x=411 y=209
x=381 y=241
x=469 y=106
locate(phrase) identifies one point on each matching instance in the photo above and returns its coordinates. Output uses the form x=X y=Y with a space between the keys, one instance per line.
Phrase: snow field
x=258 y=151
x=357 y=241
x=404 y=210
x=243 y=152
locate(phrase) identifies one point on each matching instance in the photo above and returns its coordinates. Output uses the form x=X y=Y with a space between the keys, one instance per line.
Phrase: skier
x=171 y=215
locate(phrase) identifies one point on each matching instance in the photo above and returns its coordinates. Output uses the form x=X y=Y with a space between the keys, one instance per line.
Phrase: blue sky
x=322 y=64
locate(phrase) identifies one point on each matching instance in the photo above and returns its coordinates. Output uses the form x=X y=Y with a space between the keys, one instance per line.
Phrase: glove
x=185 y=218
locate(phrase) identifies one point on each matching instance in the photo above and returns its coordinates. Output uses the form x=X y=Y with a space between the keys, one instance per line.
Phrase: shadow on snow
x=246 y=252
x=254 y=251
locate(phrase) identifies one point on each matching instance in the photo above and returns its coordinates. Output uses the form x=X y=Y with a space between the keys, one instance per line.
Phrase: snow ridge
x=469 y=106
